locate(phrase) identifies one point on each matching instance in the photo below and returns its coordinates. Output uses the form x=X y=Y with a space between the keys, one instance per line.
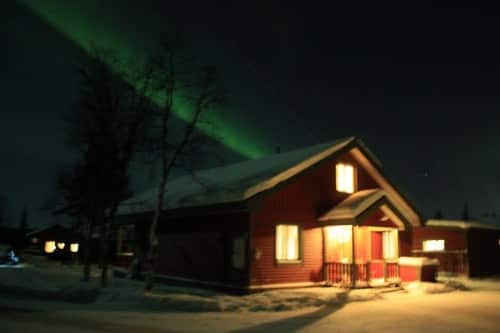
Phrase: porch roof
x=358 y=204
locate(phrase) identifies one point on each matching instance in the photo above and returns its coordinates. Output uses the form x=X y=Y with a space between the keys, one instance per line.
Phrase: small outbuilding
x=462 y=247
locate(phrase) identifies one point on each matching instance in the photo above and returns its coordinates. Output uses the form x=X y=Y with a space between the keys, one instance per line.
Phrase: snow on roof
x=460 y=224
x=235 y=182
x=353 y=205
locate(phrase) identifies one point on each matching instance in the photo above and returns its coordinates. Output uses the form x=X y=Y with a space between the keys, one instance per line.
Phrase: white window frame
x=282 y=254
x=390 y=244
x=345 y=178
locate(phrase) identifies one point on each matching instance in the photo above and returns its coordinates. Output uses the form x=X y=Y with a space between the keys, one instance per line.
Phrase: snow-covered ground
x=48 y=281
x=52 y=281
x=50 y=298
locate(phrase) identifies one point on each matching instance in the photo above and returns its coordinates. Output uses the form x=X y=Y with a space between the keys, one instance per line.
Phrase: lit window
x=287 y=242
x=345 y=177
x=50 y=246
x=433 y=245
x=61 y=245
x=339 y=243
x=73 y=247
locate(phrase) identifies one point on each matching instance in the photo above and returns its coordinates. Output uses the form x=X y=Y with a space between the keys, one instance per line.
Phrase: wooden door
x=377 y=247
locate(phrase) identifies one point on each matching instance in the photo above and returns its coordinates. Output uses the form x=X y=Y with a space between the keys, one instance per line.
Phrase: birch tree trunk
x=153 y=242
x=86 y=252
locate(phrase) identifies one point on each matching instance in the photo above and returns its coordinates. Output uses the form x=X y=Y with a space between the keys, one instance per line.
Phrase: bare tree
x=181 y=83
x=23 y=222
x=106 y=129
x=3 y=209
x=465 y=212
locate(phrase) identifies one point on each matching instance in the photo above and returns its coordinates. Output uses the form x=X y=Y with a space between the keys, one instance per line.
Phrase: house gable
x=368 y=172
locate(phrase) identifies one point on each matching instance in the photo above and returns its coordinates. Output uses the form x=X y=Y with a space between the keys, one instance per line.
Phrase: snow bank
x=442 y=286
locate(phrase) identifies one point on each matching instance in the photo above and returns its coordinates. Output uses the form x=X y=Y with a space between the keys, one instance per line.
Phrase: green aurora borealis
x=85 y=24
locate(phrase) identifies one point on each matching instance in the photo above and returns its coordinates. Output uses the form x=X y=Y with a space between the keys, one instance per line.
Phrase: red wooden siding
x=455 y=238
x=474 y=251
x=405 y=242
x=200 y=247
x=300 y=202
x=454 y=257
x=410 y=273
x=374 y=220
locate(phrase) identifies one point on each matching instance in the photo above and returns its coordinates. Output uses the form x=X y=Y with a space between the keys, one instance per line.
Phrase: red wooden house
x=462 y=247
x=325 y=214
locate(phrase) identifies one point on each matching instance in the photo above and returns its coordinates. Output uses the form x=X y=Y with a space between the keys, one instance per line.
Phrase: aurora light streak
x=84 y=25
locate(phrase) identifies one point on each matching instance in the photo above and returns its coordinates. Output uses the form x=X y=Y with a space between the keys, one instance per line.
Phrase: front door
x=384 y=255
x=377 y=267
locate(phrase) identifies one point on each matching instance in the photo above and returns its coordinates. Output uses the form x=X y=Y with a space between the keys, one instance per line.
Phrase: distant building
x=56 y=241
x=462 y=247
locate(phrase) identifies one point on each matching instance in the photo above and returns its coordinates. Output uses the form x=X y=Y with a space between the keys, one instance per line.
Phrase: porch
x=375 y=253
x=361 y=243
x=359 y=274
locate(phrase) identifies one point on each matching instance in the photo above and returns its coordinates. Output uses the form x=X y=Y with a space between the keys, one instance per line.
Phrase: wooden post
x=354 y=273
x=325 y=268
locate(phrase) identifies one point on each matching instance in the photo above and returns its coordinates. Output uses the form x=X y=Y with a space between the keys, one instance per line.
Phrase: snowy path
x=457 y=312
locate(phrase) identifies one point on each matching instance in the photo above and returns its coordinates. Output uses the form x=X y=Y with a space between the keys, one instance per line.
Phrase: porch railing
x=391 y=271
x=338 y=273
x=449 y=261
x=341 y=274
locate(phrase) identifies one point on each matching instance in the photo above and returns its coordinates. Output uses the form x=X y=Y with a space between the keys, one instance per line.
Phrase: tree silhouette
x=465 y=212
x=438 y=215
x=105 y=128
x=3 y=209
x=179 y=80
x=23 y=222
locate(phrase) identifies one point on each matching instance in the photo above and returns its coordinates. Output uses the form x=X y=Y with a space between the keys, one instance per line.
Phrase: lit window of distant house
x=50 y=246
x=287 y=243
x=433 y=245
x=345 y=177
x=74 y=247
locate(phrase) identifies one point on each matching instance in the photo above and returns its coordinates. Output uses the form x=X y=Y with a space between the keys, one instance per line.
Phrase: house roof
x=235 y=182
x=241 y=181
x=353 y=205
x=55 y=232
x=460 y=224
x=361 y=202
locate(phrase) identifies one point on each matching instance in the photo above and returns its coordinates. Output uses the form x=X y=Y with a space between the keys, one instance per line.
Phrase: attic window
x=433 y=245
x=345 y=177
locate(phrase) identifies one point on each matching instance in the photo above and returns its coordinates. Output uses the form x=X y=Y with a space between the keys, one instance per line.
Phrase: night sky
x=419 y=85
